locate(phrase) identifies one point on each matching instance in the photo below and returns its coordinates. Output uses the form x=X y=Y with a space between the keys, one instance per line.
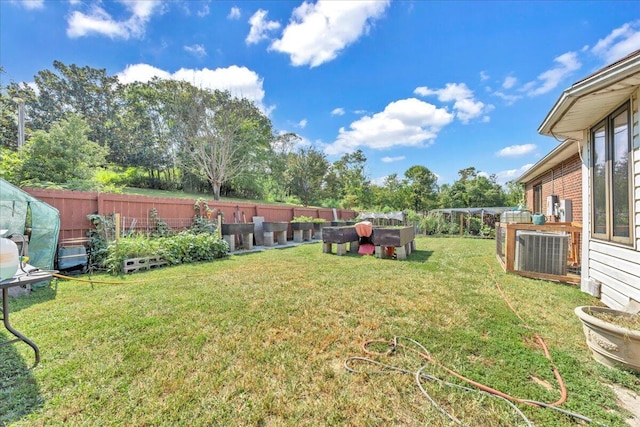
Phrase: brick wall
x=565 y=181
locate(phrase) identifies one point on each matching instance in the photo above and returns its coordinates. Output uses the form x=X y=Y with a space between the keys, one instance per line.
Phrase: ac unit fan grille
x=542 y=252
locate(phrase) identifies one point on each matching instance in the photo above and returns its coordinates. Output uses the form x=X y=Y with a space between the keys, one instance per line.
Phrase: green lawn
x=261 y=340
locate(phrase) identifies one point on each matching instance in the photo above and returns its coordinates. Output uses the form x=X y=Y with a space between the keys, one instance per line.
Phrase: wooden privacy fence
x=178 y=214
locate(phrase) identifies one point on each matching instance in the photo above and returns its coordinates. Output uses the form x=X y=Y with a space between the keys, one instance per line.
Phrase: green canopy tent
x=23 y=214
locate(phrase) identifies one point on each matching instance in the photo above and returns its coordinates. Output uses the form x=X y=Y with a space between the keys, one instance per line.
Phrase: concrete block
x=341 y=249
x=231 y=240
x=268 y=238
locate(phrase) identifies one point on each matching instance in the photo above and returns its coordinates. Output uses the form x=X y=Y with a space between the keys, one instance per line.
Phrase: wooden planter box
x=401 y=238
x=392 y=236
x=339 y=234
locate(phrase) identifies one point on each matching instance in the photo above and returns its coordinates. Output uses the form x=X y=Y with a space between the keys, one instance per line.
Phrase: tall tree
x=306 y=169
x=514 y=194
x=143 y=135
x=347 y=179
x=84 y=91
x=63 y=154
x=275 y=180
x=472 y=190
x=223 y=138
x=423 y=187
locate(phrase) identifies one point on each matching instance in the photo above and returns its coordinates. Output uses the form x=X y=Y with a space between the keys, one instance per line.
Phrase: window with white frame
x=611 y=177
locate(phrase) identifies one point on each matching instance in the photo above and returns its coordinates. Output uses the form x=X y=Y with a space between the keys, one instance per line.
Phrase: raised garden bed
x=392 y=236
x=233 y=229
x=340 y=236
x=301 y=226
x=400 y=238
x=275 y=232
x=275 y=227
x=245 y=230
x=302 y=231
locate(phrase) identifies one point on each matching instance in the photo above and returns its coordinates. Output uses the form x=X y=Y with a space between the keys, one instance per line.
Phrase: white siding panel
x=625 y=266
x=614 y=299
x=616 y=251
x=601 y=263
x=623 y=281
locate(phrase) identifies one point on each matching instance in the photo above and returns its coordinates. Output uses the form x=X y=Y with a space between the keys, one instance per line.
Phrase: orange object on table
x=364 y=228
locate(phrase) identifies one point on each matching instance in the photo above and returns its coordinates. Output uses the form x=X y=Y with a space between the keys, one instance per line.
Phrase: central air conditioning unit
x=542 y=252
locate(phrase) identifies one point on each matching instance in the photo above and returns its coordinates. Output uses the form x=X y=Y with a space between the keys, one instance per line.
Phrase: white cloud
x=32 y=4
x=567 y=63
x=509 y=82
x=260 y=27
x=302 y=123
x=484 y=76
x=619 y=43
x=317 y=32
x=196 y=50
x=392 y=159
x=234 y=13
x=464 y=102
x=507 y=175
x=99 y=22
x=516 y=150
x=508 y=98
x=337 y=111
x=204 y=11
x=379 y=181
x=406 y=122
x=239 y=81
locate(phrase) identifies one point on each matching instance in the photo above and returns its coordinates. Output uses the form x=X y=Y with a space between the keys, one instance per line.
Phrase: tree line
x=87 y=130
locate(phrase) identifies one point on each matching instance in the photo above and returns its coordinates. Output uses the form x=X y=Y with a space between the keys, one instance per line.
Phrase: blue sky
x=446 y=85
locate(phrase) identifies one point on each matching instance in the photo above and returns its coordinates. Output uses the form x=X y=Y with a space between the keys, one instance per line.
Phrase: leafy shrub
x=302 y=218
x=453 y=228
x=475 y=225
x=99 y=239
x=184 y=247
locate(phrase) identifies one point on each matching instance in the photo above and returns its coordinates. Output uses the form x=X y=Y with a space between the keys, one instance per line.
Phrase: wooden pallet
x=133 y=265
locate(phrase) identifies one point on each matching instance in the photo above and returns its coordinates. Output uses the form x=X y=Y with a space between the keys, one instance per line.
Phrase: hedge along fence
x=178 y=214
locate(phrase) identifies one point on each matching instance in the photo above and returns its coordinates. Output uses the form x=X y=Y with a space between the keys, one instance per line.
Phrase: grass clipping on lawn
x=261 y=339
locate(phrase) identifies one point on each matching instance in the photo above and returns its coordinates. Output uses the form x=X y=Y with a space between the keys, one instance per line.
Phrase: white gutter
x=609 y=75
x=545 y=164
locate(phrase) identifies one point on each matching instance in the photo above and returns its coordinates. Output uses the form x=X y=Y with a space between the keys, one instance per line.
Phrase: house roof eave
x=576 y=109
x=562 y=152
